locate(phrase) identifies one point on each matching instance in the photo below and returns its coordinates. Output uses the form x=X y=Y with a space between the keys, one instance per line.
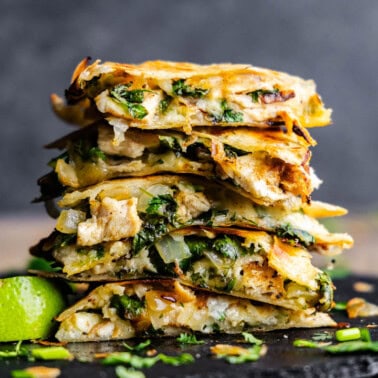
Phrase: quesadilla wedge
x=163 y=95
x=249 y=264
x=166 y=308
x=146 y=209
x=270 y=167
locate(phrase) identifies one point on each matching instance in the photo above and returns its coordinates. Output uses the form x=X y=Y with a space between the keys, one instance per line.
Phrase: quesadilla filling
x=270 y=168
x=166 y=308
x=249 y=264
x=146 y=209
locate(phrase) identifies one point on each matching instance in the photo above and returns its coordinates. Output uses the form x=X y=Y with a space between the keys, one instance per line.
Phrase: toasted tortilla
x=166 y=308
x=268 y=166
x=248 y=264
x=163 y=95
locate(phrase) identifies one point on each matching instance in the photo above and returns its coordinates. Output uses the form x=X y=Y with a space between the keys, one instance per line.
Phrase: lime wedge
x=28 y=306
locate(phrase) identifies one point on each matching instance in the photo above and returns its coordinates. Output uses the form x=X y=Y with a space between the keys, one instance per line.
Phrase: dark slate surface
x=281 y=360
x=334 y=42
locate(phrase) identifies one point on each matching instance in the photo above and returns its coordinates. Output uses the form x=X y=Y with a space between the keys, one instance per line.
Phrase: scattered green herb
x=340 y=306
x=139 y=362
x=244 y=355
x=364 y=344
x=365 y=335
x=179 y=88
x=22 y=374
x=138 y=347
x=122 y=372
x=39 y=263
x=321 y=336
x=303 y=343
x=18 y=351
x=186 y=338
x=352 y=346
x=51 y=353
x=181 y=359
x=127 y=358
x=249 y=338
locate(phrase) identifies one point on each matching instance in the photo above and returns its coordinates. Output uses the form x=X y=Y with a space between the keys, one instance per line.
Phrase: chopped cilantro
x=153 y=228
x=163 y=205
x=164 y=104
x=127 y=307
x=179 y=88
x=228 y=114
x=256 y=95
x=186 y=338
x=197 y=245
x=130 y=99
x=295 y=236
x=230 y=285
x=228 y=247
x=326 y=291
x=198 y=279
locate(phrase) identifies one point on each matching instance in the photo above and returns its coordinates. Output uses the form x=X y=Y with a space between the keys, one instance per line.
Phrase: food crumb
x=151 y=352
x=42 y=372
x=363 y=287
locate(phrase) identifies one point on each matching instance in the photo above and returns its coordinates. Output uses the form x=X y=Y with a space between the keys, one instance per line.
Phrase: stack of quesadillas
x=185 y=196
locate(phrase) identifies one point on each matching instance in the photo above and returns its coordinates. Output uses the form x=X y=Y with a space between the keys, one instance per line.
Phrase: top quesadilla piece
x=162 y=95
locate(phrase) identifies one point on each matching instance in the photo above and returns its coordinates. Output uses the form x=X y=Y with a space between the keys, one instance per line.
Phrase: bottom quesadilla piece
x=130 y=309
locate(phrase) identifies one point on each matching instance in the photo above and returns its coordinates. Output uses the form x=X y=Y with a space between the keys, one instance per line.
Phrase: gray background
x=333 y=42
